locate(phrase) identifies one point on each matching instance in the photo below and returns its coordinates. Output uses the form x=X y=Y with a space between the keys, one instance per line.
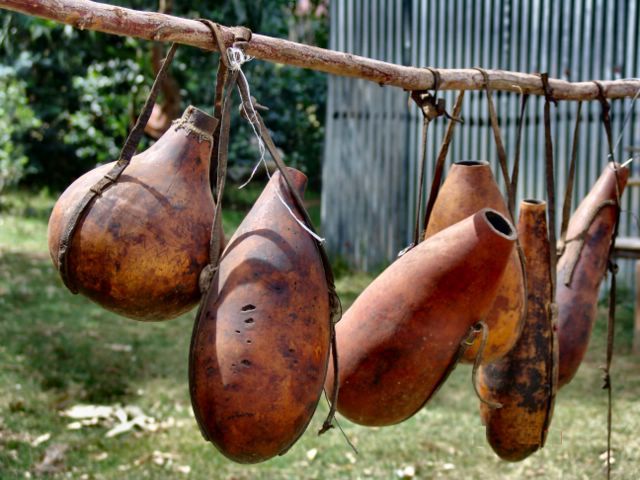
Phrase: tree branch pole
x=87 y=15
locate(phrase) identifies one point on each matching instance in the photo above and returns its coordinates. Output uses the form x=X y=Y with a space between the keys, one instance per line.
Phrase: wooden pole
x=87 y=15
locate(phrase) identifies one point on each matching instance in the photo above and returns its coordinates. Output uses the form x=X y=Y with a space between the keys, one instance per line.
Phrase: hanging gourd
x=582 y=266
x=524 y=381
x=470 y=186
x=261 y=343
x=399 y=340
x=138 y=247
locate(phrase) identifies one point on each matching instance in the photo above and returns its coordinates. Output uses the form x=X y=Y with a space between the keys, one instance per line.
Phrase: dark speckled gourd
x=524 y=380
x=260 y=345
x=140 y=246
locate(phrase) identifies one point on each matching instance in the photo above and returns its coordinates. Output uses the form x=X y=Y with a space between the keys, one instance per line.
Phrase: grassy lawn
x=58 y=350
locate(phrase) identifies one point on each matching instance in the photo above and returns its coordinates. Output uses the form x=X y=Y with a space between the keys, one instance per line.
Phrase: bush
x=86 y=87
x=17 y=123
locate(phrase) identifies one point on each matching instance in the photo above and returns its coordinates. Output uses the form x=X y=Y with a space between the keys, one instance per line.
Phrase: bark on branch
x=87 y=15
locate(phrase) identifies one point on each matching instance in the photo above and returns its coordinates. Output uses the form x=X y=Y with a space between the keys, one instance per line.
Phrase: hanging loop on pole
x=223 y=67
x=429 y=103
x=548 y=91
x=431 y=107
x=605 y=116
x=243 y=35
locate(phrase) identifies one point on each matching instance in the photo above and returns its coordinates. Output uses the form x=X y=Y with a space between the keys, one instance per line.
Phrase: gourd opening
x=499 y=223
x=472 y=163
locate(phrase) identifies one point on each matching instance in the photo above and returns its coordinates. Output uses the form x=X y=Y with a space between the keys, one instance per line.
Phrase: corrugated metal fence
x=373 y=137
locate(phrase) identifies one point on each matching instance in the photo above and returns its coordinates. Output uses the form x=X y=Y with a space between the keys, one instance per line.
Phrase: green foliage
x=47 y=57
x=17 y=124
x=85 y=88
x=103 y=94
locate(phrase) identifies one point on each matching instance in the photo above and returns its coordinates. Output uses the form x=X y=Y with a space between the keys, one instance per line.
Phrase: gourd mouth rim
x=533 y=201
x=200 y=119
x=499 y=223
x=472 y=163
x=193 y=109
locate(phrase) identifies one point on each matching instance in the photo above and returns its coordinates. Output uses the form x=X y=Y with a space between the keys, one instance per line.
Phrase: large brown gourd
x=260 y=345
x=524 y=380
x=577 y=294
x=140 y=246
x=470 y=186
x=399 y=340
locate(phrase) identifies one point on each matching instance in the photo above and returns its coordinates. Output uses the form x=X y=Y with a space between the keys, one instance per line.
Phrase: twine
x=236 y=59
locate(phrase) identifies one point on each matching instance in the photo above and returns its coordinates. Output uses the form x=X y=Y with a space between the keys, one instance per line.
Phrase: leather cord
x=510 y=183
x=497 y=136
x=431 y=108
x=613 y=270
x=223 y=68
x=442 y=155
x=515 y=172
x=222 y=160
x=568 y=193
x=550 y=179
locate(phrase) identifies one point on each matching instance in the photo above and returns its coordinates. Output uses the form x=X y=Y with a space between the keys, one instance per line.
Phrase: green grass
x=59 y=350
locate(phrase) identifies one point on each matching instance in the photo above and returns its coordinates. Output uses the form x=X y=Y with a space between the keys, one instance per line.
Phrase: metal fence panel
x=372 y=145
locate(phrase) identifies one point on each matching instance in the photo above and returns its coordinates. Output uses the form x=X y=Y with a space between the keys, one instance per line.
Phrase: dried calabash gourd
x=399 y=340
x=260 y=345
x=582 y=267
x=524 y=380
x=140 y=246
x=470 y=186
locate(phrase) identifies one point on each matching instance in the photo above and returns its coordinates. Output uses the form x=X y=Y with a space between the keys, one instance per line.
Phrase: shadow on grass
x=69 y=344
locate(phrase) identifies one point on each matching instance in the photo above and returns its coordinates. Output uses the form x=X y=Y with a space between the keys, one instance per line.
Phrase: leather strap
x=515 y=172
x=550 y=178
x=568 y=193
x=208 y=272
x=497 y=136
x=613 y=270
x=510 y=186
x=241 y=36
x=221 y=75
x=442 y=155
x=431 y=107
x=605 y=109
x=127 y=152
x=222 y=160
